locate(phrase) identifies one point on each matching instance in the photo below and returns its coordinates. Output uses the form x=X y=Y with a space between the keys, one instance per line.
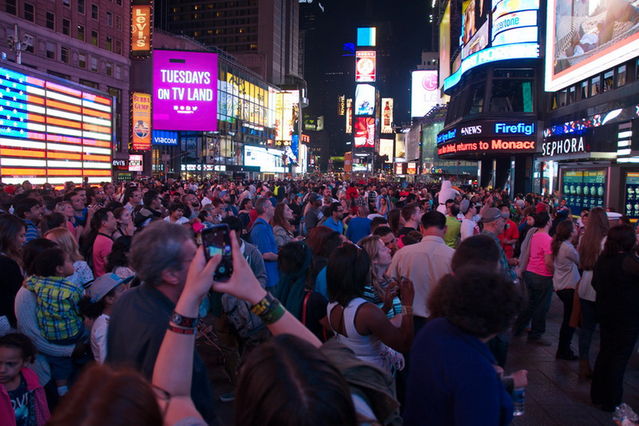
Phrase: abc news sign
x=489 y=137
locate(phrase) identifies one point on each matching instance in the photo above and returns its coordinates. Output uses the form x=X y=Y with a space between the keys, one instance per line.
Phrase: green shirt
x=453 y=231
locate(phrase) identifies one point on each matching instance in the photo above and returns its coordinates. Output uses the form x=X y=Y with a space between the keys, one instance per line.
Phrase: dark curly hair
x=478 y=301
x=22 y=342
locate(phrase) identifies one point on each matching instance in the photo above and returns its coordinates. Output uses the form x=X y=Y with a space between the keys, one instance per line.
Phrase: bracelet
x=268 y=309
x=180 y=330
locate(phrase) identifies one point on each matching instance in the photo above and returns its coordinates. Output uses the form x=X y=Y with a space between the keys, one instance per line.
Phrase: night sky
x=403 y=32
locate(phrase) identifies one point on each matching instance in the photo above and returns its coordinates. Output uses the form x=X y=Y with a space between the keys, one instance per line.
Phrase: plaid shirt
x=57 y=307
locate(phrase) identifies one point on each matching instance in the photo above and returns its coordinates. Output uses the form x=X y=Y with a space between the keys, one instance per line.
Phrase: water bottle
x=519 y=398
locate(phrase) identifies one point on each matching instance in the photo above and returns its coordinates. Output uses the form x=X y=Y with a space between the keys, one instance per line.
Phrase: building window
x=118 y=72
x=81 y=6
x=595 y=86
x=94 y=11
x=621 y=76
x=109 y=43
x=80 y=32
x=89 y=83
x=50 y=50
x=66 y=3
x=118 y=47
x=66 y=27
x=29 y=42
x=28 y=12
x=82 y=60
x=94 y=38
x=50 y=20
x=59 y=74
x=608 y=80
x=511 y=95
x=584 y=89
x=561 y=98
x=109 y=69
x=109 y=17
x=572 y=94
x=119 y=2
x=118 y=22
x=64 y=55
x=93 y=63
x=11 y=7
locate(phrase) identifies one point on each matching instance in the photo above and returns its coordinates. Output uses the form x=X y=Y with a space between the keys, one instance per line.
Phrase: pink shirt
x=101 y=249
x=539 y=247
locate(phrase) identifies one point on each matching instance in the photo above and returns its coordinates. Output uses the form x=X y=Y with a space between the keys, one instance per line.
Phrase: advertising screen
x=584 y=189
x=632 y=196
x=364 y=99
x=584 y=37
x=386 y=148
x=140 y=121
x=267 y=159
x=349 y=116
x=184 y=90
x=424 y=93
x=136 y=163
x=365 y=66
x=400 y=147
x=52 y=132
x=286 y=115
x=366 y=36
x=141 y=27
x=387 y=115
x=513 y=34
x=364 y=136
x=444 y=45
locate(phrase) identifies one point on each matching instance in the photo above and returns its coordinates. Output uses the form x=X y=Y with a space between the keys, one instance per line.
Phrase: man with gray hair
x=160 y=255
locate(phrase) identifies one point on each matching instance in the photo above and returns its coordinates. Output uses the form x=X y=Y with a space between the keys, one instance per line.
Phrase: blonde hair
x=370 y=245
x=66 y=241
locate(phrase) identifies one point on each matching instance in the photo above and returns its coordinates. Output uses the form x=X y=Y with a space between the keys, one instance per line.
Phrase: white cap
x=613 y=215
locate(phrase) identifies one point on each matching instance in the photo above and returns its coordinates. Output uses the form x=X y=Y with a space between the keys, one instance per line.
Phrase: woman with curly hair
x=453 y=379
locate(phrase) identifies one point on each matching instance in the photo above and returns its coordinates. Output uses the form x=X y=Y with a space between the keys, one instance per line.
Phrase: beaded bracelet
x=181 y=330
x=269 y=309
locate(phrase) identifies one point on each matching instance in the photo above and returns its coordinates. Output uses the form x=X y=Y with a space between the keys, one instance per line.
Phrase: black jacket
x=616 y=279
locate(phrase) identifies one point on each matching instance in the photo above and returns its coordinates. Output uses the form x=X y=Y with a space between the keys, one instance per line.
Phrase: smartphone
x=217 y=240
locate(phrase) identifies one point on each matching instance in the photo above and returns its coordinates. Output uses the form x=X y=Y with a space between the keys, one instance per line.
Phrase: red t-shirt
x=511 y=232
x=101 y=249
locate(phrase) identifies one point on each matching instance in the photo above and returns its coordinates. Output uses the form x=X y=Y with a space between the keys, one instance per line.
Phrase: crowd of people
x=358 y=302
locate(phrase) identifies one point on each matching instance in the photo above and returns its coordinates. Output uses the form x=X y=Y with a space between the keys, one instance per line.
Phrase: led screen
x=424 y=93
x=364 y=132
x=349 y=116
x=364 y=99
x=141 y=121
x=585 y=37
x=365 y=67
x=286 y=115
x=164 y=137
x=513 y=34
x=268 y=160
x=141 y=27
x=184 y=90
x=52 y=132
x=387 y=115
x=366 y=36
x=386 y=148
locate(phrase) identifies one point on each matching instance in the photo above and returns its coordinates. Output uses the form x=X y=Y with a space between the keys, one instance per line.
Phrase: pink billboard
x=184 y=90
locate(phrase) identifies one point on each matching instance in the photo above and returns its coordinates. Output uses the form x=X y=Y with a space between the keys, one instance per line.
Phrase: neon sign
x=495 y=145
x=563 y=146
x=519 y=128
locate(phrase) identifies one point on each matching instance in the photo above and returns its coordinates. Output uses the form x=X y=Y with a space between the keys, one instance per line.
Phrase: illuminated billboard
x=365 y=66
x=364 y=136
x=424 y=93
x=386 y=148
x=53 y=132
x=364 y=99
x=286 y=115
x=585 y=37
x=444 y=45
x=164 y=137
x=366 y=36
x=141 y=27
x=387 y=115
x=184 y=90
x=349 y=116
x=267 y=159
x=140 y=121
x=513 y=35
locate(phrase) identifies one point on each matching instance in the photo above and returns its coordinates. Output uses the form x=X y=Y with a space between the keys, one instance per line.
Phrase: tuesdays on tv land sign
x=185 y=90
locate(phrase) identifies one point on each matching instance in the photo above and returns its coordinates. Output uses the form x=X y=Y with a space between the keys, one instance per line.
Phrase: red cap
x=541 y=207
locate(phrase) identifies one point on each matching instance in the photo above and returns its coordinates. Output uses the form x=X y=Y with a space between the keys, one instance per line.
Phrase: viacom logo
x=563 y=146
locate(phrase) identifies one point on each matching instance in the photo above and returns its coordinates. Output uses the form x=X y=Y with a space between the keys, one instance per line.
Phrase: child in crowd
x=57 y=307
x=102 y=294
x=22 y=398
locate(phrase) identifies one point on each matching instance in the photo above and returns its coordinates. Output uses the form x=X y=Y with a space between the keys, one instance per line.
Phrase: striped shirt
x=57 y=307
x=32 y=231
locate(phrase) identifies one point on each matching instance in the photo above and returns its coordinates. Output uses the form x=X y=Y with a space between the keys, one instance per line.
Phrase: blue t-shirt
x=320 y=283
x=262 y=236
x=452 y=380
x=358 y=228
x=334 y=225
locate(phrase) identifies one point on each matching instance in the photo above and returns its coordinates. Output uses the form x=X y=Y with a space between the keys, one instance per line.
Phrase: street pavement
x=555 y=394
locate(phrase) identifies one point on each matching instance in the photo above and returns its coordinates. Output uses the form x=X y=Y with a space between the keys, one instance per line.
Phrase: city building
x=590 y=141
x=489 y=66
x=263 y=35
x=80 y=41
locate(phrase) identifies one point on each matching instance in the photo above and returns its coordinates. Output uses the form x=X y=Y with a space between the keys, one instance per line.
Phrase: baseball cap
x=613 y=215
x=101 y=286
x=541 y=207
x=314 y=197
x=464 y=205
x=490 y=215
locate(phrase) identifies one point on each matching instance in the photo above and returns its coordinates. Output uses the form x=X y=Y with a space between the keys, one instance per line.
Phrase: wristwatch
x=183 y=321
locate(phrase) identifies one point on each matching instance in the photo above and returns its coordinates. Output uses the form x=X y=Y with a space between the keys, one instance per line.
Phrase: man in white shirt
x=424 y=263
